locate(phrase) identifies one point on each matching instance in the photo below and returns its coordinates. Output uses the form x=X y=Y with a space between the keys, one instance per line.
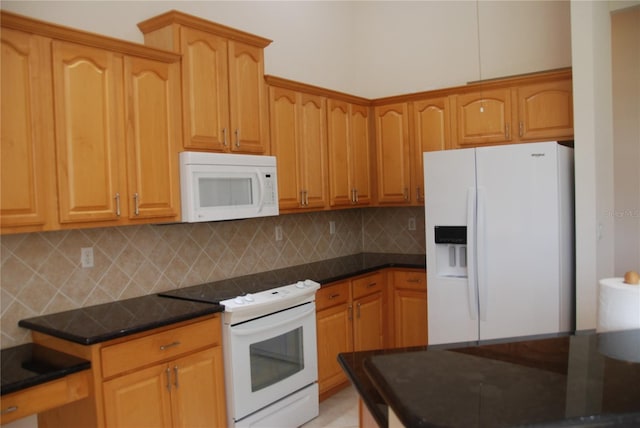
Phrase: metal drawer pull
x=171 y=345
x=136 y=201
x=175 y=373
x=372 y=284
x=168 y=372
x=333 y=296
x=117 y=204
x=10 y=409
x=414 y=280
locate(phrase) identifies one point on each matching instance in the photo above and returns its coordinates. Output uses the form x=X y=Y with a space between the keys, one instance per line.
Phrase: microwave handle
x=261 y=190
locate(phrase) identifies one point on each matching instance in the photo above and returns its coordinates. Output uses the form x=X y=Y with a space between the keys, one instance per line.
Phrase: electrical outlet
x=332 y=227
x=86 y=257
x=278 y=233
x=412 y=223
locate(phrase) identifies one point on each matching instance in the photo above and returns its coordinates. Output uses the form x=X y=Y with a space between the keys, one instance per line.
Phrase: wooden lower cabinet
x=168 y=377
x=187 y=392
x=410 y=308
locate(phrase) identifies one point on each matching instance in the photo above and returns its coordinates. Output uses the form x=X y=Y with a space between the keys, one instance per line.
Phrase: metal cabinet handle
x=168 y=372
x=418 y=196
x=117 y=198
x=170 y=345
x=357 y=197
x=224 y=137
x=358 y=310
x=350 y=312
x=136 y=200
x=507 y=131
x=405 y=193
x=372 y=284
x=415 y=280
x=237 y=132
x=521 y=128
x=175 y=373
x=333 y=296
x=353 y=196
x=9 y=409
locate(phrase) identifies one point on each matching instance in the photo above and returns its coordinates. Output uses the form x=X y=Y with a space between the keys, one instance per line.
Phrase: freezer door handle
x=471 y=259
x=481 y=252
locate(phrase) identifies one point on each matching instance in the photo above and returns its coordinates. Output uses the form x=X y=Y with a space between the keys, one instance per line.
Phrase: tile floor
x=338 y=411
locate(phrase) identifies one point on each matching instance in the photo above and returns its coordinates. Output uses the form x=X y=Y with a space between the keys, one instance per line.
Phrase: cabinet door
x=89 y=133
x=198 y=397
x=360 y=154
x=27 y=160
x=431 y=132
x=247 y=100
x=483 y=117
x=153 y=138
x=284 y=136
x=545 y=111
x=410 y=308
x=334 y=336
x=313 y=153
x=339 y=138
x=139 y=399
x=205 y=91
x=368 y=322
x=392 y=150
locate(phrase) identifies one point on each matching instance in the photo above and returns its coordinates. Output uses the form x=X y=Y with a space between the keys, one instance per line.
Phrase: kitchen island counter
x=582 y=379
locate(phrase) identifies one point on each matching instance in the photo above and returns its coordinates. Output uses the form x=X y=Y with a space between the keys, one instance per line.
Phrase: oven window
x=275 y=359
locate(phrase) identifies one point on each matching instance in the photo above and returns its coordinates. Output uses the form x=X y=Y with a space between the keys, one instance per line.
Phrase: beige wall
x=366 y=48
x=625 y=42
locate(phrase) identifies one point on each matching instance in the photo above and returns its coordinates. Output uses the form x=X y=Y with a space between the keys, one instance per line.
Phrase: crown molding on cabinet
x=59 y=32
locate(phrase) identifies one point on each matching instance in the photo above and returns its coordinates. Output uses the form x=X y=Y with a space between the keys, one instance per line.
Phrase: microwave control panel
x=270 y=189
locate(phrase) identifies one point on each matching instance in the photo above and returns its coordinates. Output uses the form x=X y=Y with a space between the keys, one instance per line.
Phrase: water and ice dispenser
x=451 y=251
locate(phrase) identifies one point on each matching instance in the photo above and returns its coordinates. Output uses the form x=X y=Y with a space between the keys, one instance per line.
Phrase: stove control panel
x=270 y=300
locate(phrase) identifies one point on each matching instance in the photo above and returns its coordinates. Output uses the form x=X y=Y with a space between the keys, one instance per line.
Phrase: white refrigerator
x=499 y=241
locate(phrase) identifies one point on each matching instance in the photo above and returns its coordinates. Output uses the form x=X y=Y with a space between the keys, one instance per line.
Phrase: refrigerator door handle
x=471 y=254
x=481 y=252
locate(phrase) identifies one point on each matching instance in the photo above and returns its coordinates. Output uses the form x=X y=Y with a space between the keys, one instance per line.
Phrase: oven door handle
x=241 y=330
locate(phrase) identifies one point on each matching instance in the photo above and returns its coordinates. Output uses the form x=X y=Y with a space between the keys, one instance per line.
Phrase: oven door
x=270 y=357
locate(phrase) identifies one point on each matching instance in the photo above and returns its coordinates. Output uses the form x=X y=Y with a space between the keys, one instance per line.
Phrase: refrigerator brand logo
x=537 y=155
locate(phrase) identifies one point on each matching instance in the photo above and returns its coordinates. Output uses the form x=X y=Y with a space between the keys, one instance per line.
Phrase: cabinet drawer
x=44 y=397
x=416 y=280
x=332 y=295
x=159 y=346
x=367 y=285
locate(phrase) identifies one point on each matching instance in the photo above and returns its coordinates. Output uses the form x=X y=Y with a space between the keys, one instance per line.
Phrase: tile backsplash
x=41 y=273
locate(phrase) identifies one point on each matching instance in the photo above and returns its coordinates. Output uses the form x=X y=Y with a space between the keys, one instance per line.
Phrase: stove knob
x=239 y=300
x=300 y=284
x=249 y=297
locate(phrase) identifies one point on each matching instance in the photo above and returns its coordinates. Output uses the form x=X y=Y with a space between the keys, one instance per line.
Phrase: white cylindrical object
x=618 y=305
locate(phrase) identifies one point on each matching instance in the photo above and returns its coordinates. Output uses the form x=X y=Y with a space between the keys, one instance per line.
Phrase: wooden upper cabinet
x=483 y=117
x=545 y=111
x=248 y=102
x=348 y=144
x=87 y=84
x=27 y=159
x=298 y=138
x=431 y=131
x=224 y=95
x=392 y=153
x=152 y=137
x=313 y=153
x=205 y=90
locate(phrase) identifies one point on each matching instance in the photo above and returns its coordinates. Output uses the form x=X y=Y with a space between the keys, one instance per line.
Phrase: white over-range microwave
x=220 y=186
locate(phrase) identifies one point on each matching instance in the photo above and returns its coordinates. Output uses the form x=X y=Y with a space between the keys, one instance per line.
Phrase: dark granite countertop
x=100 y=323
x=324 y=272
x=582 y=379
x=108 y=321
x=29 y=365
